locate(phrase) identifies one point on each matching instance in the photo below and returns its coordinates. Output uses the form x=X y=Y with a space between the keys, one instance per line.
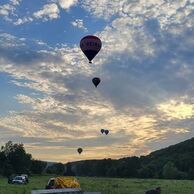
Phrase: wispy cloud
x=79 y=24
x=24 y=20
x=66 y=4
x=8 y=10
x=48 y=12
x=174 y=109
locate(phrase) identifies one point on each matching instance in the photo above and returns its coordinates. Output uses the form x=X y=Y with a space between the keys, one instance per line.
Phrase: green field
x=106 y=185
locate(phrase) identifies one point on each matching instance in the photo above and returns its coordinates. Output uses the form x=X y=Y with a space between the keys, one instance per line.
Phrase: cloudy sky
x=146 y=64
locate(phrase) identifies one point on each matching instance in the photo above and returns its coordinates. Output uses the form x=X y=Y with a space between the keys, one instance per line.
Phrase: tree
x=3 y=161
x=16 y=158
x=191 y=174
x=111 y=171
x=7 y=169
x=129 y=167
x=38 y=166
x=58 y=168
x=146 y=172
x=68 y=170
x=170 y=171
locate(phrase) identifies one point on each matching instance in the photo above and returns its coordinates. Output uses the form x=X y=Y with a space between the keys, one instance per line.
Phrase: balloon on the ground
x=79 y=150
x=106 y=131
x=90 y=46
x=96 y=81
x=102 y=131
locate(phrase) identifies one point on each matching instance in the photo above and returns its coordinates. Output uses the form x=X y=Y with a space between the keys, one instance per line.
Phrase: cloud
x=66 y=4
x=102 y=8
x=24 y=20
x=48 y=12
x=165 y=12
x=4 y=9
x=176 y=109
x=8 y=10
x=15 y=2
x=79 y=24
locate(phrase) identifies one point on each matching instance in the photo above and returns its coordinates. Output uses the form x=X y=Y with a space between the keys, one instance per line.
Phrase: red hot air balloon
x=79 y=150
x=96 y=81
x=90 y=46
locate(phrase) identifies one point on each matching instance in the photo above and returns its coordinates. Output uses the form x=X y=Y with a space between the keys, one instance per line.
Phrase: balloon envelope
x=106 y=131
x=96 y=81
x=102 y=131
x=79 y=150
x=90 y=46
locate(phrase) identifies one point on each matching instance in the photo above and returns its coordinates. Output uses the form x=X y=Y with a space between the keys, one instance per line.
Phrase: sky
x=146 y=66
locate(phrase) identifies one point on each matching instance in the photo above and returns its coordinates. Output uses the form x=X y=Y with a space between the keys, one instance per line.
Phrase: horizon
x=145 y=98
x=116 y=158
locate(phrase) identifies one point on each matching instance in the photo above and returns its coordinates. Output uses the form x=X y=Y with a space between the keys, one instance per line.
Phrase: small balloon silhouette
x=96 y=81
x=106 y=131
x=79 y=150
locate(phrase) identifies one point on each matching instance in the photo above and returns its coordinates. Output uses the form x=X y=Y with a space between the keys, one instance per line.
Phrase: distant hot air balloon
x=79 y=150
x=96 y=81
x=90 y=46
x=106 y=131
x=102 y=131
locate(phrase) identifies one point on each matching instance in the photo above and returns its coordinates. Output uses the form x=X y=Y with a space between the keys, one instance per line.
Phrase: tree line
x=174 y=162
x=15 y=160
x=132 y=167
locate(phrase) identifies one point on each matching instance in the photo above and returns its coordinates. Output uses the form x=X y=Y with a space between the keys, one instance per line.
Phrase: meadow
x=106 y=185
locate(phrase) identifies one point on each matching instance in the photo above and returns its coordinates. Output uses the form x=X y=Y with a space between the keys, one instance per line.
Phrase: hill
x=173 y=162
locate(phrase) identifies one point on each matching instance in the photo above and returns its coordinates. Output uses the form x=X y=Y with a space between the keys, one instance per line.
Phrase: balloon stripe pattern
x=90 y=46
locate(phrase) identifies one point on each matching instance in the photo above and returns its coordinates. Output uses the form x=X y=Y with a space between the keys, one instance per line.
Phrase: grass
x=106 y=185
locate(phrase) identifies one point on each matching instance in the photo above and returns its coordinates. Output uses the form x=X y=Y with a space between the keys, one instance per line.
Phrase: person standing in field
x=154 y=191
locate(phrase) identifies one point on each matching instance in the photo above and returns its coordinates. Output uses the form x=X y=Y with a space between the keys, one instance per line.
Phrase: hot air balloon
x=102 y=131
x=90 y=46
x=79 y=150
x=106 y=131
x=96 y=81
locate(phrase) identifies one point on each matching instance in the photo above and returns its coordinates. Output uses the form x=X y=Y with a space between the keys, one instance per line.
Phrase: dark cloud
x=21 y=52
x=7 y=132
x=114 y=139
x=98 y=141
x=148 y=80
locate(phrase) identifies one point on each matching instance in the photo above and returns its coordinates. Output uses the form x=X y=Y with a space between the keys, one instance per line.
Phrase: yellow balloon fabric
x=66 y=182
